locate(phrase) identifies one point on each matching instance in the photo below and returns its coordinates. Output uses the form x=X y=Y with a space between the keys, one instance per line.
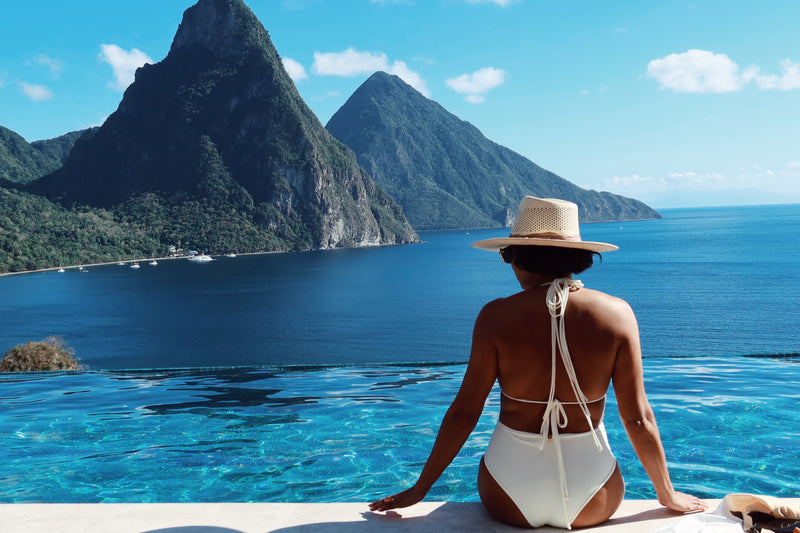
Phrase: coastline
x=127 y=262
x=167 y=258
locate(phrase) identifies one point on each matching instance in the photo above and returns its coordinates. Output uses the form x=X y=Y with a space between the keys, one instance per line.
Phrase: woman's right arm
x=460 y=419
x=638 y=418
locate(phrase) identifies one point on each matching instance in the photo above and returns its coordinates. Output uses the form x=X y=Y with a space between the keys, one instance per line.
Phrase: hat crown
x=547 y=218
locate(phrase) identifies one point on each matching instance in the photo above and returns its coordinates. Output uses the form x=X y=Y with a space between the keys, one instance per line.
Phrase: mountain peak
x=443 y=171
x=218 y=123
x=222 y=27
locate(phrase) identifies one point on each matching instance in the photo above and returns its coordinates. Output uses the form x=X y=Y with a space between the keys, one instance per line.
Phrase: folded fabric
x=703 y=523
x=744 y=506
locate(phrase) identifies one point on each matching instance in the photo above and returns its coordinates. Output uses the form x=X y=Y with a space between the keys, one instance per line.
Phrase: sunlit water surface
x=356 y=433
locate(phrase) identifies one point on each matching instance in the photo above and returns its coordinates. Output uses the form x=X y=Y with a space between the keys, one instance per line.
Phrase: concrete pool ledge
x=633 y=516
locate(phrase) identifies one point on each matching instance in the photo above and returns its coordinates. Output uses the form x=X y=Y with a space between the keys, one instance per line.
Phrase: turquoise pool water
x=729 y=424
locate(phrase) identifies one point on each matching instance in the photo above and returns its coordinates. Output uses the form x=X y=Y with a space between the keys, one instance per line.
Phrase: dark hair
x=551 y=260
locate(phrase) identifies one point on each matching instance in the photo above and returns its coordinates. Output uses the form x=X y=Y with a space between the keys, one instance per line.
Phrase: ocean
x=702 y=282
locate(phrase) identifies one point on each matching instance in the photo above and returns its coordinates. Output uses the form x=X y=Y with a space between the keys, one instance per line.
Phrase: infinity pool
x=357 y=433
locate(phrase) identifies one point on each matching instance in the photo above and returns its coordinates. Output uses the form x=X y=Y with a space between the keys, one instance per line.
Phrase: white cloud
x=695 y=178
x=617 y=183
x=701 y=71
x=790 y=79
x=401 y=70
x=123 y=64
x=37 y=93
x=477 y=84
x=294 y=69
x=55 y=65
x=696 y=71
x=754 y=184
x=353 y=62
x=637 y=186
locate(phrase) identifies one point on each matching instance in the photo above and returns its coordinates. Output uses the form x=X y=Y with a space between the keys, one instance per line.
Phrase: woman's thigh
x=497 y=503
x=604 y=503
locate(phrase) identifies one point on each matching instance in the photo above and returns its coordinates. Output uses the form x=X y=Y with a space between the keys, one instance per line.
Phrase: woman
x=549 y=462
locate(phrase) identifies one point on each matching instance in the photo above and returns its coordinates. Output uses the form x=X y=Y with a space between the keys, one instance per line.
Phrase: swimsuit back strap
x=555 y=416
x=557 y=296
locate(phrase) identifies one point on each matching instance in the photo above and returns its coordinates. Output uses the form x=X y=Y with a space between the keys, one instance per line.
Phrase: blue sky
x=676 y=103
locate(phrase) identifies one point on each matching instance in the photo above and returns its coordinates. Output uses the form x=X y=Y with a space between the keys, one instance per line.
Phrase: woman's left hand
x=402 y=499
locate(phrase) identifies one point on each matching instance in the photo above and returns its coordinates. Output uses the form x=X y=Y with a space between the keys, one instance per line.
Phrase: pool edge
x=633 y=516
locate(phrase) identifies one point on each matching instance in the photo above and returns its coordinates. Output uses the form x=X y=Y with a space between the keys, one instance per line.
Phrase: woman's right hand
x=683 y=503
x=402 y=499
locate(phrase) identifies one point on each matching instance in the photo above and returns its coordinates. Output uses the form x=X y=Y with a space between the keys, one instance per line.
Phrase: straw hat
x=545 y=222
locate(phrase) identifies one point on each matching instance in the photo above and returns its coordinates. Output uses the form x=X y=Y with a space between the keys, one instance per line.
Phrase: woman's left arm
x=460 y=419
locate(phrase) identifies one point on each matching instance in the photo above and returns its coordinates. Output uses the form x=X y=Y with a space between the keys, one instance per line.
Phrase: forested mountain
x=60 y=147
x=443 y=171
x=23 y=162
x=213 y=147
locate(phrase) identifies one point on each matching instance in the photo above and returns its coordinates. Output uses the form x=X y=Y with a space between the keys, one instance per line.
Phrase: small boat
x=231 y=255
x=201 y=258
x=153 y=263
x=119 y=262
x=135 y=265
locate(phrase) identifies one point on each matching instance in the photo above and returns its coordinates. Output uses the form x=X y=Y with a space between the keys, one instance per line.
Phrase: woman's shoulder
x=600 y=297
x=503 y=309
x=498 y=305
x=604 y=305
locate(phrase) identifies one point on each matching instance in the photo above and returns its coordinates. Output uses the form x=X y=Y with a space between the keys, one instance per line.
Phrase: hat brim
x=495 y=245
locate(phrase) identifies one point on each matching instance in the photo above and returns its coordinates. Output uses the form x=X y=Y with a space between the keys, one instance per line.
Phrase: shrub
x=50 y=354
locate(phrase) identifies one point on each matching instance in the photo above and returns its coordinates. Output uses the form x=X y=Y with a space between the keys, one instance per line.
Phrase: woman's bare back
x=520 y=328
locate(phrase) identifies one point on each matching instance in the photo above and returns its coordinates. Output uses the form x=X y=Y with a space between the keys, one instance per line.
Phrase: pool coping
x=633 y=516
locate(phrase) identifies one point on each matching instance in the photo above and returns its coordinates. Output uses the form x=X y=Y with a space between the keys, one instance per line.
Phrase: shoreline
x=169 y=258
x=128 y=262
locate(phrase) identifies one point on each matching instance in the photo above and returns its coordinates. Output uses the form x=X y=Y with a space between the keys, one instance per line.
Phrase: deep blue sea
x=715 y=281
x=323 y=376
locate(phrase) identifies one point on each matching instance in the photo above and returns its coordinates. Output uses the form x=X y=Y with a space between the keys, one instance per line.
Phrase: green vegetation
x=50 y=354
x=36 y=233
x=21 y=162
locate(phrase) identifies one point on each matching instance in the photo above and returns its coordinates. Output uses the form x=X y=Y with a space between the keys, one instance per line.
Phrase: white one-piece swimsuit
x=552 y=479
